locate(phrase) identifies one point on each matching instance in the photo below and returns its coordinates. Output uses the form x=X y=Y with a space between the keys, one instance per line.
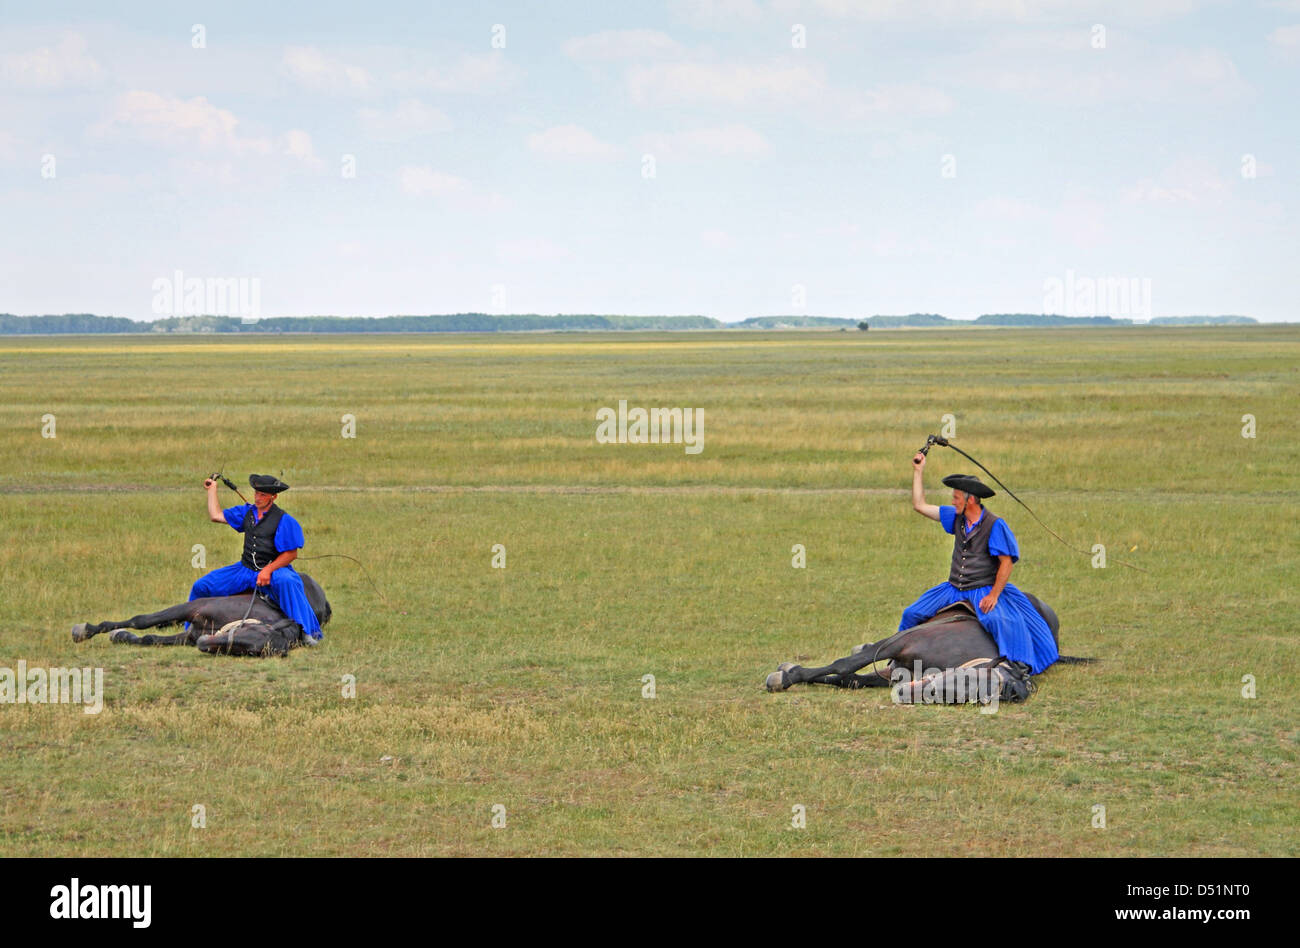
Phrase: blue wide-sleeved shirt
x=288 y=534
x=1002 y=542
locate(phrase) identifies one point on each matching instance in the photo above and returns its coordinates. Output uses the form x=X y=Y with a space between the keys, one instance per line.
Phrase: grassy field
x=523 y=686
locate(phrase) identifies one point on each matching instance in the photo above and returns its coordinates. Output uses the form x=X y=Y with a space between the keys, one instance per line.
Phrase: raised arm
x=918 y=491
x=214 y=508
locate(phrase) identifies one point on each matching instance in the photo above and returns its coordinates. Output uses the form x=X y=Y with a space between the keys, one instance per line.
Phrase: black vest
x=973 y=565
x=259 y=538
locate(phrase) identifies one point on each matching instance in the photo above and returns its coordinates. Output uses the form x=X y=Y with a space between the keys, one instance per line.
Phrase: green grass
x=523 y=686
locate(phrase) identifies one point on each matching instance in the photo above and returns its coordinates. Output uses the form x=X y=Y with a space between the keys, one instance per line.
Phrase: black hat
x=968 y=484
x=267 y=483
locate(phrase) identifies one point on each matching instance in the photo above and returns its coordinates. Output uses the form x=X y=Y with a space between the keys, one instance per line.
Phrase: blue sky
x=513 y=178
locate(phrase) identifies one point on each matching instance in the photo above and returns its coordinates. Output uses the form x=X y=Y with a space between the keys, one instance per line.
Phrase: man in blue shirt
x=272 y=540
x=984 y=550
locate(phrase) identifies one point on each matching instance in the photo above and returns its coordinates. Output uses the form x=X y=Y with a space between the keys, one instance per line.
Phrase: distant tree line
x=85 y=323
x=1049 y=319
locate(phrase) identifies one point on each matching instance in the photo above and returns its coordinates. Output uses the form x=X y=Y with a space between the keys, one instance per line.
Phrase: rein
x=875 y=658
x=230 y=636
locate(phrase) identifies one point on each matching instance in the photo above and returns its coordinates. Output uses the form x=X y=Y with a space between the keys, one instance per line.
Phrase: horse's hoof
x=859 y=649
x=785 y=666
x=79 y=632
x=121 y=635
x=778 y=681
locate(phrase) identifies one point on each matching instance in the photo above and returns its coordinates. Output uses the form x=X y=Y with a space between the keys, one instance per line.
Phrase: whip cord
x=948 y=444
x=364 y=571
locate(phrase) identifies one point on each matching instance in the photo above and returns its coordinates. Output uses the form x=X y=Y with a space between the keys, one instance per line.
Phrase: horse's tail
x=1076 y=660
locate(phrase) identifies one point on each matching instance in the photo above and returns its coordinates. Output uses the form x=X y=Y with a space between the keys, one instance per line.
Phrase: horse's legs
x=127 y=637
x=864 y=655
x=841 y=666
x=150 y=620
x=839 y=673
x=851 y=681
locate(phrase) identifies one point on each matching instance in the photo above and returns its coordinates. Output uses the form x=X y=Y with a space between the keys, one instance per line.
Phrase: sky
x=726 y=158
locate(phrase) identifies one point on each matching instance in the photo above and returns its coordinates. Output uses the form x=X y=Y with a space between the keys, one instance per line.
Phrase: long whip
x=219 y=476
x=945 y=443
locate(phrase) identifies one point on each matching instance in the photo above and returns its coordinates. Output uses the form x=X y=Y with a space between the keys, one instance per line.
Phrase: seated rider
x=984 y=549
x=272 y=540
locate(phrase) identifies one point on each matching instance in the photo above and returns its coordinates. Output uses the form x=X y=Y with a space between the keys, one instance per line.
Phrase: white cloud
x=1080 y=219
x=571 y=141
x=1188 y=182
x=1044 y=40
x=623 y=45
x=179 y=122
x=314 y=69
x=396 y=69
x=778 y=85
x=907 y=142
x=489 y=72
x=734 y=15
x=185 y=123
x=929 y=12
x=533 y=250
x=888 y=243
x=67 y=64
x=297 y=144
x=408 y=119
x=1126 y=71
x=717 y=239
x=715 y=14
x=731 y=84
x=1001 y=208
x=1285 y=37
x=423 y=181
x=908 y=99
x=720 y=141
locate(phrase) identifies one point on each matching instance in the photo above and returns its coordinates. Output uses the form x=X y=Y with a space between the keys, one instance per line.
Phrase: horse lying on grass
x=229 y=625
x=949 y=658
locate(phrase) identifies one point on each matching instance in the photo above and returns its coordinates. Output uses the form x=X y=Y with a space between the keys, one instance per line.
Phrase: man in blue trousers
x=984 y=550
x=272 y=540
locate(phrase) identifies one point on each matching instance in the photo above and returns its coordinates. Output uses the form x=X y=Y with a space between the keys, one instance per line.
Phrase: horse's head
x=316 y=597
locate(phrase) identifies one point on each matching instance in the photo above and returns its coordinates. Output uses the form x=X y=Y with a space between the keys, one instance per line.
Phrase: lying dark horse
x=261 y=630
x=950 y=639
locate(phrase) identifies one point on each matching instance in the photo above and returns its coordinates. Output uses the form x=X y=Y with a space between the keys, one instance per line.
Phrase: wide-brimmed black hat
x=267 y=484
x=968 y=484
